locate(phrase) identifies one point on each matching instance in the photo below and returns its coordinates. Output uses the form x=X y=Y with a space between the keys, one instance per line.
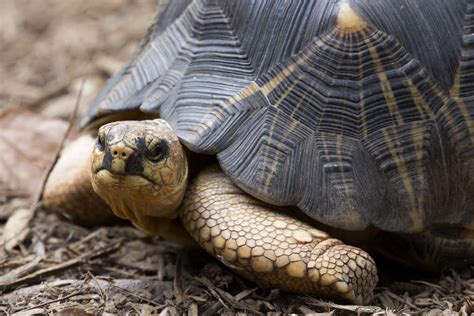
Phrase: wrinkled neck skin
x=145 y=190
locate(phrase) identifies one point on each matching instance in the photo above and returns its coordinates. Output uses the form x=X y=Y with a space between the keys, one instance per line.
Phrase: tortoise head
x=140 y=169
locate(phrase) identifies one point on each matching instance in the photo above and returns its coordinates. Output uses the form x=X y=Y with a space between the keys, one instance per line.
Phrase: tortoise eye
x=158 y=152
x=100 y=142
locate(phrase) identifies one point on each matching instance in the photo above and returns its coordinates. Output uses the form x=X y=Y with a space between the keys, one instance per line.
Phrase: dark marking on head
x=134 y=163
x=107 y=161
x=134 y=148
x=100 y=143
x=140 y=144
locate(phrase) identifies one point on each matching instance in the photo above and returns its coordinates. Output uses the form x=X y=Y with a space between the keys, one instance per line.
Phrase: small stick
x=72 y=119
x=351 y=308
x=136 y=295
x=178 y=280
x=101 y=290
x=53 y=301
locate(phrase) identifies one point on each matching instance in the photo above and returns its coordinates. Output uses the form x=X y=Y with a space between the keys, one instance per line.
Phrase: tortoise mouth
x=135 y=197
x=125 y=194
x=114 y=179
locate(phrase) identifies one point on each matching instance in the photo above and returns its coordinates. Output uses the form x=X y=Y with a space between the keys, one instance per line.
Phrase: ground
x=49 y=265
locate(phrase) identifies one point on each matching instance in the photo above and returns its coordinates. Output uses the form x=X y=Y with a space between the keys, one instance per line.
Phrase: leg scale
x=271 y=248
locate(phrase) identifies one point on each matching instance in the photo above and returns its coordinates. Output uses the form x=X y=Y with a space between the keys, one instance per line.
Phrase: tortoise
x=290 y=120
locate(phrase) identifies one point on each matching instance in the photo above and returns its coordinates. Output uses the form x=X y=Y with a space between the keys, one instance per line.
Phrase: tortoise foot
x=271 y=248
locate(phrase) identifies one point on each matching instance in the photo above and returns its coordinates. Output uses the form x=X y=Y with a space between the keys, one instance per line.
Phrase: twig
x=53 y=301
x=359 y=309
x=427 y=284
x=161 y=268
x=72 y=119
x=212 y=290
x=244 y=294
x=306 y=311
x=20 y=271
x=61 y=266
x=224 y=297
x=401 y=300
x=101 y=290
x=193 y=310
x=178 y=280
x=136 y=296
x=89 y=237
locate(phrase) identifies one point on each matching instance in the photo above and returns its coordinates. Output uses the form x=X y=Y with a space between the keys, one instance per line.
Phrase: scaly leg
x=271 y=248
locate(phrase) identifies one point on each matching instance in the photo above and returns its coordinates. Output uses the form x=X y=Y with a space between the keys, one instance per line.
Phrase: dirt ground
x=49 y=265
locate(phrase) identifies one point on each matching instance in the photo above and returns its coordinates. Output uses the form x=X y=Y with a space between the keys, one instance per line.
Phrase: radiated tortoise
x=288 y=118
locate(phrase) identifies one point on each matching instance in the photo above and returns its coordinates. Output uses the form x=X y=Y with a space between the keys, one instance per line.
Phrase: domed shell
x=358 y=112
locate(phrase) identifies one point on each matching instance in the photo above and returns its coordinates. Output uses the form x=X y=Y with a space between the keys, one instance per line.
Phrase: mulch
x=63 y=269
x=53 y=266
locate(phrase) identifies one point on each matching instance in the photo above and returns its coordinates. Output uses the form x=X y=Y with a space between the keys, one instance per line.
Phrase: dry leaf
x=28 y=143
x=16 y=228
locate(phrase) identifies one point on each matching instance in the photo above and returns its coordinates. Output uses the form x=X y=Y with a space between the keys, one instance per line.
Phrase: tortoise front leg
x=270 y=248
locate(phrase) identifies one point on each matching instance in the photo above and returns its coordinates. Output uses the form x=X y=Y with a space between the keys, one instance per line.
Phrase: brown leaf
x=28 y=143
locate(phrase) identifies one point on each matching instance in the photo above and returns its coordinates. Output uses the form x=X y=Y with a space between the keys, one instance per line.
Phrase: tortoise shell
x=358 y=112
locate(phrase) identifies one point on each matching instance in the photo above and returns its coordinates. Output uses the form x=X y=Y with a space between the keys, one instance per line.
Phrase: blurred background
x=48 y=46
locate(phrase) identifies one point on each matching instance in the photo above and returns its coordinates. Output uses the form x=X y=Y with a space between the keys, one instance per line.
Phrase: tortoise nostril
x=124 y=154
x=115 y=153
